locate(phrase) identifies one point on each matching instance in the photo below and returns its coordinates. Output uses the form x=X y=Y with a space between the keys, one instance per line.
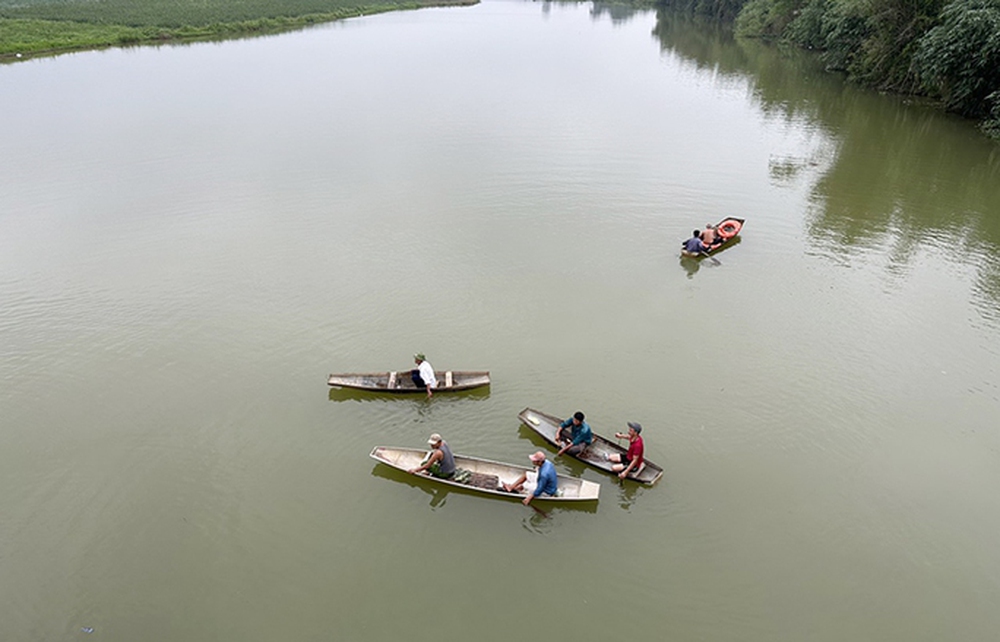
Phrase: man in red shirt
x=632 y=460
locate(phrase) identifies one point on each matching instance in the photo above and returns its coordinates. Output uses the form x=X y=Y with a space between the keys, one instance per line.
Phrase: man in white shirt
x=423 y=376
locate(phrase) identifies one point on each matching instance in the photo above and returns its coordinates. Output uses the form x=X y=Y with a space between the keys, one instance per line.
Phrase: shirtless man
x=710 y=236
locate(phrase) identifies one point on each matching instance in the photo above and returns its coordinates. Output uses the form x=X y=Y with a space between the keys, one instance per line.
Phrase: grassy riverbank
x=946 y=50
x=43 y=26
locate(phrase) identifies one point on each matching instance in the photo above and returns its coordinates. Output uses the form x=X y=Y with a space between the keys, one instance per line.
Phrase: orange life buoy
x=729 y=228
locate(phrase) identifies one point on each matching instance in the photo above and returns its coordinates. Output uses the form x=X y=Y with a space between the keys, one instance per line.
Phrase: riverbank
x=945 y=51
x=39 y=28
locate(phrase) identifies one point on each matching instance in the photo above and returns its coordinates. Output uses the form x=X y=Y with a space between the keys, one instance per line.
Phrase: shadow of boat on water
x=353 y=394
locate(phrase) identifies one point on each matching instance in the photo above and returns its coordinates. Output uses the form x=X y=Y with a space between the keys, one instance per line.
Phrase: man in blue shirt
x=574 y=435
x=694 y=245
x=543 y=481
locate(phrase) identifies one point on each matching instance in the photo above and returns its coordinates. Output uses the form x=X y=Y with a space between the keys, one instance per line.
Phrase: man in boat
x=535 y=483
x=694 y=245
x=423 y=374
x=632 y=460
x=710 y=236
x=574 y=435
x=439 y=462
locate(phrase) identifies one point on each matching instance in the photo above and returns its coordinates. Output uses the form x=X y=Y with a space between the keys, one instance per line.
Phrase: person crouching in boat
x=535 y=483
x=694 y=245
x=633 y=459
x=439 y=462
x=423 y=375
x=574 y=435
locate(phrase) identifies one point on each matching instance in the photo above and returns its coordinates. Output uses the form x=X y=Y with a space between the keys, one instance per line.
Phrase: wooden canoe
x=448 y=380
x=731 y=225
x=487 y=475
x=548 y=427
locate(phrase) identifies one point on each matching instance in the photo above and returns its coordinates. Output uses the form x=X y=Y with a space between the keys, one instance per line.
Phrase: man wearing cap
x=632 y=460
x=423 y=374
x=536 y=483
x=574 y=435
x=439 y=462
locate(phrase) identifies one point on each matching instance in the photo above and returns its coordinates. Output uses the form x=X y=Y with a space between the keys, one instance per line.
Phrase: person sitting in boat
x=544 y=481
x=574 y=435
x=423 y=374
x=710 y=236
x=439 y=461
x=694 y=245
x=633 y=459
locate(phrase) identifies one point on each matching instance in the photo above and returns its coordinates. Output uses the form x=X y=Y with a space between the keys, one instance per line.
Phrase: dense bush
x=951 y=52
x=766 y=18
x=809 y=29
x=845 y=28
x=959 y=59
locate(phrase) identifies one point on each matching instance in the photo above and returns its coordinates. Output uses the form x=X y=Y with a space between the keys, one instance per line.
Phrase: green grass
x=51 y=26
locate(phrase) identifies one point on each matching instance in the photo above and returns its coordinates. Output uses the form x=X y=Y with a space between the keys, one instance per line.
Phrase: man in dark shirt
x=439 y=462
x=574 y=435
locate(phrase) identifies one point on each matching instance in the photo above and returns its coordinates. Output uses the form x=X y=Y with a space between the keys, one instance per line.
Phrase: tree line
x=947 y=50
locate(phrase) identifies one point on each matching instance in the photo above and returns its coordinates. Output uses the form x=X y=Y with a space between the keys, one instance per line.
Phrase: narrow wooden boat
x=728 y=228
x=548 y=427
x=448 y=380
x=486 y=475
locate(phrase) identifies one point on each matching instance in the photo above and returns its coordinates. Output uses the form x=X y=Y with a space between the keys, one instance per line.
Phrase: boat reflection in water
x=351 y=394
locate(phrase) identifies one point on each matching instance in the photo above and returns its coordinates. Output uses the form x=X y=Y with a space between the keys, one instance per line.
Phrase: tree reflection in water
x=890 y=175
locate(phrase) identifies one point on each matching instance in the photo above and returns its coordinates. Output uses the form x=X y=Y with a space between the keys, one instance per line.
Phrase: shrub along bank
x=948 y=50
x=51 y=26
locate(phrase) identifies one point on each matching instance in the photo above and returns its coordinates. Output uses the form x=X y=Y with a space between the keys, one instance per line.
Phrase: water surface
x=192 y=238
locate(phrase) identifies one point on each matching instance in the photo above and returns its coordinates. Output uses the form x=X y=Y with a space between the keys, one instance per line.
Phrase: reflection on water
x=628 y=492
x=525 y=432
x=692 y=264
x=438 y=492
x=618 y=13
x=890 y=175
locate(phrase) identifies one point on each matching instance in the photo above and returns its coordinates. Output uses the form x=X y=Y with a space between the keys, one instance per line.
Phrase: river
x=193 y=237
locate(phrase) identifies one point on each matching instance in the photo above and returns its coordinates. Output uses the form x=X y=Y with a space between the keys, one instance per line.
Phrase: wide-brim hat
x=420 y=356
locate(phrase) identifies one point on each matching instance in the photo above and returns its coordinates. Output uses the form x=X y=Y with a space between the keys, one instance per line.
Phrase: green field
x=50 y=26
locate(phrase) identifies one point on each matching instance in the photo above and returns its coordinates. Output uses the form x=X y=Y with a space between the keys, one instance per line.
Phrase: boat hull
x=399 y=382
x=732 y=240
x=486 y=471
x=547 y=426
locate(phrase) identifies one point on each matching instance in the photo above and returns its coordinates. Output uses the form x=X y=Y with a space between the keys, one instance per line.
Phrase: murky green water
x=192 y=238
